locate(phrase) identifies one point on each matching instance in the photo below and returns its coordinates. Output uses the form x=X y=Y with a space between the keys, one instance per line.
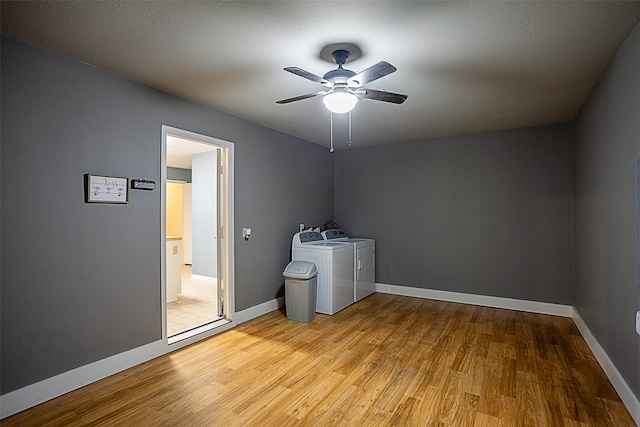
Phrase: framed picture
x=106 y=189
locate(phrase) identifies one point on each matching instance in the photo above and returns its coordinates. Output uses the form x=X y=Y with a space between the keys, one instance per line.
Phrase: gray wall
x=81 y=282
x=607 y=146
x=487 y=214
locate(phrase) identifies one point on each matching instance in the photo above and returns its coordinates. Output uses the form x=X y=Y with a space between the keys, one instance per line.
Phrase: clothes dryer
x=364 y=258
x=334 y=261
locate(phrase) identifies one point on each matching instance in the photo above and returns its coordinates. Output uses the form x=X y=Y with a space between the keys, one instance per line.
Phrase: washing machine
x=364 y=257
x=334 y=261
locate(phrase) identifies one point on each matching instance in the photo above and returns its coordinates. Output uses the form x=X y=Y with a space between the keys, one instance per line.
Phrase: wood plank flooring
x=385 y=361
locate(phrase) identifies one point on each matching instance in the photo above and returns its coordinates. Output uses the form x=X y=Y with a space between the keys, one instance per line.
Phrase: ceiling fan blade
x=309 y=76
x=379 y=95
x=301 y=97
x=372 y=73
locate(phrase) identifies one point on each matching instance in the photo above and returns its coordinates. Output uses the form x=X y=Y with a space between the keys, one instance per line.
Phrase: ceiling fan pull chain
x=331 y=121
x=349 y=128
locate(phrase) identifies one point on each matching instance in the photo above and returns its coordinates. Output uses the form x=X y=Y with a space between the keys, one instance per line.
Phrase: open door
x=220 y=216
x=205 y=295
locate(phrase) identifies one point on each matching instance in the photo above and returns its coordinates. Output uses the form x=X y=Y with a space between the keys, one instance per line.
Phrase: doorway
x=197 y=230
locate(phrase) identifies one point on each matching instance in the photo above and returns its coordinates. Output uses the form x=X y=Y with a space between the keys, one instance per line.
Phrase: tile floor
x=196 y=305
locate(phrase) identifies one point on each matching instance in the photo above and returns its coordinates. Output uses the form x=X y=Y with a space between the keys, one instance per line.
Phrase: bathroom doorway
x=197 y=229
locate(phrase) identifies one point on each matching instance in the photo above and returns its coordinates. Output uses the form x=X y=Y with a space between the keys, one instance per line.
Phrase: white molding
x=626 y=394
x=34 y=394
x=258 y=310
x=487 y=301
x=622 y=388
x=50 y=388
x=229 y=224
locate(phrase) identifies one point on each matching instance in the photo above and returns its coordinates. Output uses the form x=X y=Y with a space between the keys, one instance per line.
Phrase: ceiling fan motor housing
x=339 y=75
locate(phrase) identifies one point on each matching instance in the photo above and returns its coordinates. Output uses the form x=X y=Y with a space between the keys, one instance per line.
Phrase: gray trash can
x=300 y=287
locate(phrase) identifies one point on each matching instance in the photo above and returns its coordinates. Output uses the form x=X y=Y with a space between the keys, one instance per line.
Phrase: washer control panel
x=309 y=236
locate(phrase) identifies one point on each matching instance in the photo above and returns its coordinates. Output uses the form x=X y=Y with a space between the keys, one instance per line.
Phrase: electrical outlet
x=301 y=227
x=175 y=250
x=638 y=322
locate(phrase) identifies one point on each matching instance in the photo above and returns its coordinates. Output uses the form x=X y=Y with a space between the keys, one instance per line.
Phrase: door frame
x=227 y=253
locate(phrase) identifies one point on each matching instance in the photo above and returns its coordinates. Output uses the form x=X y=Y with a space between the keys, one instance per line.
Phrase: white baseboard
x=258 y=310
x=34 y=394
x=624 y=391
x=487 y=301
x=622 y=388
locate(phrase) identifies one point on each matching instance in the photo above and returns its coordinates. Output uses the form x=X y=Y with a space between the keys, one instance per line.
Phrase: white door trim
x=228 y=225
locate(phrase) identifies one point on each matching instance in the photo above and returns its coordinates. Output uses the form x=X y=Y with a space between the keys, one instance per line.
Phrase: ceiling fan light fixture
x=340 y=102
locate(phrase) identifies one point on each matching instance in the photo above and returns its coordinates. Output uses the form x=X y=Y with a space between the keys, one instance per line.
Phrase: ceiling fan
x=344 y=86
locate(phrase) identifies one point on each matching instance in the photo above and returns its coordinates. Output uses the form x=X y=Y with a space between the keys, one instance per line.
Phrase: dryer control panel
x=334 y=234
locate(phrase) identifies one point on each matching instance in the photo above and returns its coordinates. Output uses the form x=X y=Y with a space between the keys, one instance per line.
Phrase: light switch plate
x=246 y=233
x=638 y=322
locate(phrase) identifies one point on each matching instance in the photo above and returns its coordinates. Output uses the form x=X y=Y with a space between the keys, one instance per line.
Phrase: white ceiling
x=180 y=151
x=467 y=66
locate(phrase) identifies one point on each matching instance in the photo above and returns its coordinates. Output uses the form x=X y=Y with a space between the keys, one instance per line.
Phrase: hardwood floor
x=385 y=361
